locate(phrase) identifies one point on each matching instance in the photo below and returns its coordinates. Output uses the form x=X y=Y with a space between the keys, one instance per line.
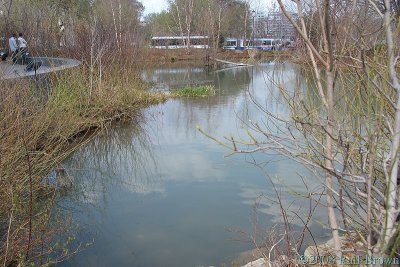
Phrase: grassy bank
x=41 y=124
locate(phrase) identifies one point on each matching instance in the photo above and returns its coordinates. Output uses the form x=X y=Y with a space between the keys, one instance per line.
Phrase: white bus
x=265 y=44
x=233 y=44
x=177 y=42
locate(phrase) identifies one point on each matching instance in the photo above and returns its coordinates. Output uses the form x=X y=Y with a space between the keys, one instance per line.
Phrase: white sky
x=152 y=6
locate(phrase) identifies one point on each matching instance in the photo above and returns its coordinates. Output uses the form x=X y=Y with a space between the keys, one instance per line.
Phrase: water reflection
x=120 y=157
x=166 y=77
x=156 y=192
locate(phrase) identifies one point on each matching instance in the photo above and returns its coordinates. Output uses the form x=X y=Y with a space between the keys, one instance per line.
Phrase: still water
x=157 y=193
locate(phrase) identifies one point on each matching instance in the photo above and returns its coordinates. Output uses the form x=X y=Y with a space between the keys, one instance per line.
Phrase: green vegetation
x=191 y=91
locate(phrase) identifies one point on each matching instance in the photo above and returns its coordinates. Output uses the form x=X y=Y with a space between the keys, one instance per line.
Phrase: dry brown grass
x=172 y=55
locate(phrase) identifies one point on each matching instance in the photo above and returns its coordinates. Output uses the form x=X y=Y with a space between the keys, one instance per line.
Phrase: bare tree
x=349 y=133
x=183 y=15
x=325 y=93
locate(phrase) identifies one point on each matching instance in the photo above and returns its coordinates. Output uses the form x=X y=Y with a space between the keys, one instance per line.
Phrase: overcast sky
x=152 y=6
x=159 y=5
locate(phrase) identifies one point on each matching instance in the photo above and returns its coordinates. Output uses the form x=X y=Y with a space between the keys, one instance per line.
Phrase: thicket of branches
x=348 y=132
x=73 y=26
x=43 y=122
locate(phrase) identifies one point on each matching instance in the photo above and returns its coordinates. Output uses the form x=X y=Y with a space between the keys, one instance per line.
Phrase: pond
x=157 y=192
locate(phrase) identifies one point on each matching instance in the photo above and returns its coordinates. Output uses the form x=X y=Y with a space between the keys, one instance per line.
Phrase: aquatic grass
x=193 y=91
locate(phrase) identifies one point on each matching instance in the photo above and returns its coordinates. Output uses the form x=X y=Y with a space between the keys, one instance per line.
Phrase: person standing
x=22 y=44
x=12 y=42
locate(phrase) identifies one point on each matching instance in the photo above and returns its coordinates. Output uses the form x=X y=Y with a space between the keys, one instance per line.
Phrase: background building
x=274 y=25
x=260 y=25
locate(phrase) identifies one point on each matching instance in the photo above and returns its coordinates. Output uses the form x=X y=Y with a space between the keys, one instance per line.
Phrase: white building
x=273 y=25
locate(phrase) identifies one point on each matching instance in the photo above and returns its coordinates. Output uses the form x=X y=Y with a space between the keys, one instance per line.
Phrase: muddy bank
x=172 y=55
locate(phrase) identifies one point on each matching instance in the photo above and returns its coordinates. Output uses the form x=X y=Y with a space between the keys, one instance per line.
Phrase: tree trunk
x=391 y=194
x=329 y=165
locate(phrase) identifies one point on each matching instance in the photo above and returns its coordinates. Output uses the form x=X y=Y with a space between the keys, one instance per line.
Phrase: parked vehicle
x=238 y=44
x=268 y=44
x=178 y=42
x=265 y=44
x=249 y=44
x=232 y=44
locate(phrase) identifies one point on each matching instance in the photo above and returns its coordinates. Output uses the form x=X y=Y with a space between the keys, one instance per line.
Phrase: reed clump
x=193 y=91
x=42 y=123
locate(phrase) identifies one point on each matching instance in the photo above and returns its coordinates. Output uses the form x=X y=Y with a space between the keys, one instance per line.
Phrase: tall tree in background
x=225 y=18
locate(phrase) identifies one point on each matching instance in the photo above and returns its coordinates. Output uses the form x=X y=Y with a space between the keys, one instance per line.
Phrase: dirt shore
x=173 y=55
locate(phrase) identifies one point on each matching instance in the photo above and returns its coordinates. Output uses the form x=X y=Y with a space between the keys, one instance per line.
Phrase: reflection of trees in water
x=167 y=78
x=212 y=112
x=236 y=91
x=266 y=92
x=257 y=89
x=121 y=157
x=265 y=96
x=232 y=81
x=241 y=93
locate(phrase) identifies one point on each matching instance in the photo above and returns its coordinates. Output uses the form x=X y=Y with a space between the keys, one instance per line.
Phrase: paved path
x=8 y=70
